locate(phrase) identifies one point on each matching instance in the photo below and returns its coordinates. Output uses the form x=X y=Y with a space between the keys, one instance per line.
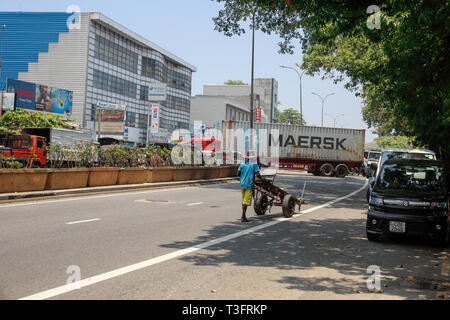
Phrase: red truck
x=27 y=149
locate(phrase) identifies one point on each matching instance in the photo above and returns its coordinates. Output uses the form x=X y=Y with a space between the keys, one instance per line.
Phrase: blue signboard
x=41 y=98
x=25 y=93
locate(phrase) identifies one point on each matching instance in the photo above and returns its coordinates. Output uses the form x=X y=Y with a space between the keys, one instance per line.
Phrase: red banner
x=258 y=115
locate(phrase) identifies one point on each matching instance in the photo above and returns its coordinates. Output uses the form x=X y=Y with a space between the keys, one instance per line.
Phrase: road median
x=17 y=196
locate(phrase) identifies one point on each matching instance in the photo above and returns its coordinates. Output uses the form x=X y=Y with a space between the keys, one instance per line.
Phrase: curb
x=112 y=189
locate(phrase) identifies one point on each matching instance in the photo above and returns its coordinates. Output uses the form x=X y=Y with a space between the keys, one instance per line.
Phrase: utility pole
x=300 y=76
x=252 y=110
x=323 y=101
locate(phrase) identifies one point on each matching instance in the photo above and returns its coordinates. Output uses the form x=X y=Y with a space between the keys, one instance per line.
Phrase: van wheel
x=445 y=241
x=327 y=170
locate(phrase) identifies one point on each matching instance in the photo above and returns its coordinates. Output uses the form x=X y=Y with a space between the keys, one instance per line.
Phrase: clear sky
x=185 y=28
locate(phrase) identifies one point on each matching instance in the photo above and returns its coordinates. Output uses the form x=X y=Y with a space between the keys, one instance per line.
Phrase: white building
x=210 y=109
x=265 y=91
x=100 y=61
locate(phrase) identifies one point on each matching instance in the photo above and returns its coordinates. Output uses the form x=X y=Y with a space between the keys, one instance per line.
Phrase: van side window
x=40 y=143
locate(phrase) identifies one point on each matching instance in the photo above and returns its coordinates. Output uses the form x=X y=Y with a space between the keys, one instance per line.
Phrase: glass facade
x=114 y=84
x=115 y=54
x=120 y=71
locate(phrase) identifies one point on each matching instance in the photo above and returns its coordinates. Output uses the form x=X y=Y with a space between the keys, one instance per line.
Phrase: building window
x=177 y=103
x=142 y=121
x=131 y=119
x=115 y=54
x=114 y=84
x=157 y=70
x=144 y=93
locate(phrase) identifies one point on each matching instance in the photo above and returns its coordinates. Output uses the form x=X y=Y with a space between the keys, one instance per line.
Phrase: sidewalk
x=5 y=197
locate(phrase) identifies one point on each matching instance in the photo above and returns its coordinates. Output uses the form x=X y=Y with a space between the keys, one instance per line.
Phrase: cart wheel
x=261 y=204
x=289 y=205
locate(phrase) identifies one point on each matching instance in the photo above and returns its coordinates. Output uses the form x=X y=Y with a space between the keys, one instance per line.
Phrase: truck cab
x=27 y=148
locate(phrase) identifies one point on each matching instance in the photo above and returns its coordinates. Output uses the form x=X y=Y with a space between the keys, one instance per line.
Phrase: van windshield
x=407 y=155
x=413 y=178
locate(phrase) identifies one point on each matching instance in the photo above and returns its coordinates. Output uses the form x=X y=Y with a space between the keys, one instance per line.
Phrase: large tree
x=391 y=53
x=290 y=116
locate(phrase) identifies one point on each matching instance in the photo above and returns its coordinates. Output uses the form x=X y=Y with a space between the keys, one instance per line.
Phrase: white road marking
x=195 y=204
x=84 y=221
x=90 y=197
x=144 y=264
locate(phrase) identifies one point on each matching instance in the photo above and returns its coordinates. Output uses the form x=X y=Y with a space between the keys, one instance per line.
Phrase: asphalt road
x=188 y=243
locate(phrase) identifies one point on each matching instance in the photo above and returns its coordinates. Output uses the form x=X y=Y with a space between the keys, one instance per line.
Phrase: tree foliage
x=400 y=69
x=235 y=83
x=20 y=118
x=290 y=116
x=397 y=142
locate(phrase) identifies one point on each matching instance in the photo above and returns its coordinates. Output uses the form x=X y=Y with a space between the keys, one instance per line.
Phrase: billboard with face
x=53 y=100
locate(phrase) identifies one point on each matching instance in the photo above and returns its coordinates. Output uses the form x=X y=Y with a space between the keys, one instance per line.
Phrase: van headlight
x=376 y=201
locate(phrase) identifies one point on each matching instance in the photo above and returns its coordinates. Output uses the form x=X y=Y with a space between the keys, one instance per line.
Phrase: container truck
x=319 y=150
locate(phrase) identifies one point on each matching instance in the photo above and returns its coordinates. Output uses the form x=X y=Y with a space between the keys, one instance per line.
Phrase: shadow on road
x=328 y=255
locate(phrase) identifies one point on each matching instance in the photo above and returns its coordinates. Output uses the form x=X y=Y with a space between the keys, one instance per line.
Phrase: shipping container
x=320 y=150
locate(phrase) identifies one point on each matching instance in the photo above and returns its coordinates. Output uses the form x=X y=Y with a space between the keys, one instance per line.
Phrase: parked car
x=409 y=197
x=396 y=153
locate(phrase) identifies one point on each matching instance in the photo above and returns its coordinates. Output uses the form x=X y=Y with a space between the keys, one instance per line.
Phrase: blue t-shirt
x=248 y=171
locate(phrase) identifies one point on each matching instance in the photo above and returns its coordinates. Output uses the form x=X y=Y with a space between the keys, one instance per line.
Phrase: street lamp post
x=300 y=76
x=323 y=101
x=335 y=118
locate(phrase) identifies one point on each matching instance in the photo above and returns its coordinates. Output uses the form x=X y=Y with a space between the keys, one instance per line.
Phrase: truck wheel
x=261 y=204
x=327 y=170
x=288 y=205
x=341 y=171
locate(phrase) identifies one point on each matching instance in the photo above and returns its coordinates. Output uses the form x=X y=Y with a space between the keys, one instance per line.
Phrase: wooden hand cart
x=266 y=195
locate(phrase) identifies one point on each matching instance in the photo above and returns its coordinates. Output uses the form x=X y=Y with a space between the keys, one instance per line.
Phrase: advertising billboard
x=38 y=97
x=7 y=101
x=110 y=120
x=155 y=118
x=157 y=91
x=25 y=93
x=53 y=100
